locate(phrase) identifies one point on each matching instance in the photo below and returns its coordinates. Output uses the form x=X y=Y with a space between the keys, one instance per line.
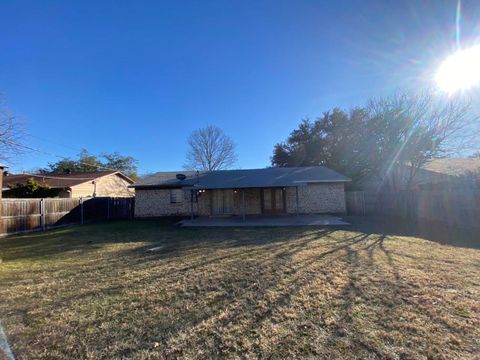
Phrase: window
x=176 y=196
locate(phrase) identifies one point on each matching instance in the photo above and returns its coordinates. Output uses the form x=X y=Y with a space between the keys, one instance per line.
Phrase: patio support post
x=296 y=199
x=191 y=204
x=243 y=204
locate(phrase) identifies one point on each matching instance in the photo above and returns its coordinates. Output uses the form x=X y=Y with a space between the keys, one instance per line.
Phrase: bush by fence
x=455 y=208
x=23 y=215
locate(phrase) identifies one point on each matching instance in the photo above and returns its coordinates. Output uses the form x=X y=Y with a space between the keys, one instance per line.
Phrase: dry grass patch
x=95 y=292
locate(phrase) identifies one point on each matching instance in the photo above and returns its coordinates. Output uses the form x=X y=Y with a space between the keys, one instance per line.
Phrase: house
x=75 y=185
x=448 y=173
x=292 y=190
x=437 y=174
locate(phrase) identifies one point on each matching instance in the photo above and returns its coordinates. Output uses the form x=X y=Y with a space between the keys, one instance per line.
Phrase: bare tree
x=210 y=149
x=421 y=127
x=11 y=134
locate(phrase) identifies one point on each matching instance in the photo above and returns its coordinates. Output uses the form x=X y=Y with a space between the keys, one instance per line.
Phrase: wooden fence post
x=42 y=213
x=81 y=210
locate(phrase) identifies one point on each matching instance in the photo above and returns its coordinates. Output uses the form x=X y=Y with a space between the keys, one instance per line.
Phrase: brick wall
x=314 y=198
x=317 y=198
x=152 y=203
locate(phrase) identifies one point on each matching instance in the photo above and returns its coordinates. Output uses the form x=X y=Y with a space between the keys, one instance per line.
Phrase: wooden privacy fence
x=23 y=215
x=452 y=207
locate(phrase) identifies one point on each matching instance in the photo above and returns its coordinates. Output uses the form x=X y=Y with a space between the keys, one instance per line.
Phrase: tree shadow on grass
x=299 y=276
x=258 y=273
x=386 y=293
x=38 y=246
x=434 y=231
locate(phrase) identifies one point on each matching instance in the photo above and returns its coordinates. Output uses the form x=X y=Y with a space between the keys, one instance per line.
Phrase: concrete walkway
x=284 y=220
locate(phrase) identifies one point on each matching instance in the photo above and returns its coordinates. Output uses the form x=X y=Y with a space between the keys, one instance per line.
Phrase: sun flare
x=460 y=71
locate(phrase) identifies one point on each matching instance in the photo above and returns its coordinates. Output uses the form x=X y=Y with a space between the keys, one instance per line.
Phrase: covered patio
x=264 y=221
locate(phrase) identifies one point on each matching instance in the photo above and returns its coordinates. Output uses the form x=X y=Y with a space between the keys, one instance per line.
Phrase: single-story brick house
x=75 y=185
x=306 y=190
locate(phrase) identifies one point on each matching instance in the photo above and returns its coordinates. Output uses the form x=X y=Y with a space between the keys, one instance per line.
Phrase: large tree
x=87 y=162
x=401 y=131
x=334 y=140
x=210 y=149
x=11 y=134
x=411 y=129
x=126 y=164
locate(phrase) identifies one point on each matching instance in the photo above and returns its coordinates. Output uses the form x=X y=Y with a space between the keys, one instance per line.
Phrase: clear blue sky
x=138 y=76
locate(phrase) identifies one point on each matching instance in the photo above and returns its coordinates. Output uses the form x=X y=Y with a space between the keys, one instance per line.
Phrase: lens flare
x=460 y=71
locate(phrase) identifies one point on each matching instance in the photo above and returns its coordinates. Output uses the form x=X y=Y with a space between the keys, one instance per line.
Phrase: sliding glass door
x=273 y=200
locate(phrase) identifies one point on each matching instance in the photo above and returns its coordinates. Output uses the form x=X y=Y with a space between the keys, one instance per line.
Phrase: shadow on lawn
x=173 y=239
x=433 y=231
x=260 y=274
x=288 y=277
x=271 y=261
x=41 y=245
x=364 y=257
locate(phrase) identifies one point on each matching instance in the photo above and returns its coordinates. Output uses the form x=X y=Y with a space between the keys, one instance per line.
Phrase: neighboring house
x=75 y=185
x=236 y=192
x=437 y=174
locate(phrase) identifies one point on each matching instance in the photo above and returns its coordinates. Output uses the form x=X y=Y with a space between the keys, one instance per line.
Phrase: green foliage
x=87 y=162
x=338 y=140
x=31 y=189
x=125 y=164
x=401 y=130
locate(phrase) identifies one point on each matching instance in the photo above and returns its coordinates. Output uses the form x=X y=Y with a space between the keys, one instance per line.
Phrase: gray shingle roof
x=164 y=178
x=251 y=178
x=60 y=181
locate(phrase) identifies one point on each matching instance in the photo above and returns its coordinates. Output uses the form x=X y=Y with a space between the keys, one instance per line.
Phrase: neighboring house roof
x=441 y=172
x=60 y=181
x=250 y=178
x=454 y=166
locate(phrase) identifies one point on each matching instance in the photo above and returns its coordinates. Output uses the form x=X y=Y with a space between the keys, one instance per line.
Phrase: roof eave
x=119 y=173
x=154 y=187
x=323 y=181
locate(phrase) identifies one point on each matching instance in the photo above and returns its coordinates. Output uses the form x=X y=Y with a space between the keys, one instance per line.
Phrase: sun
x=460 y=71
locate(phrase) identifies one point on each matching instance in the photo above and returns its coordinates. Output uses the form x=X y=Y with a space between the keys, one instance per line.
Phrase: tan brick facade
x=313 y=198
x=317 y=198
x=152 y=203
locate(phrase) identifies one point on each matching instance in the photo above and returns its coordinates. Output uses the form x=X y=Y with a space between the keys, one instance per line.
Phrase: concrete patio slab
x=286 y=220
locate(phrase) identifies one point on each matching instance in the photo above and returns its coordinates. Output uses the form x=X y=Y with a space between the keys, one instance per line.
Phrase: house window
x=176 y=196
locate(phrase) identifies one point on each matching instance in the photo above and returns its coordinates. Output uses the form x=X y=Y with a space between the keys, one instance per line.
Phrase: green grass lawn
x=96 y=292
